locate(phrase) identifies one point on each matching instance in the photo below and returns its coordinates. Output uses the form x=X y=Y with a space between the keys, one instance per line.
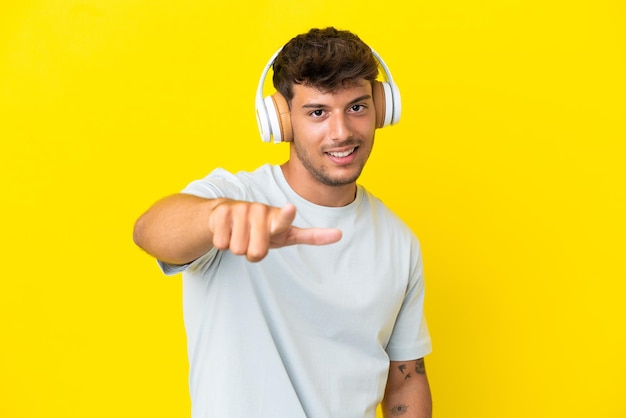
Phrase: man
x=303 y=293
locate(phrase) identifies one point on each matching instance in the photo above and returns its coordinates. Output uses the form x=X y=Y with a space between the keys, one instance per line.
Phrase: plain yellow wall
x=508 y=164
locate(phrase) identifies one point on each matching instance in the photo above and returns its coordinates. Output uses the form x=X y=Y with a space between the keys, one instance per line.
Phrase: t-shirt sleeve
x=219 y=183
x=410 y=338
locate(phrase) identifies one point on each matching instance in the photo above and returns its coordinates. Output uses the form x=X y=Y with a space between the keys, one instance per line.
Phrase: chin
x=339 y=181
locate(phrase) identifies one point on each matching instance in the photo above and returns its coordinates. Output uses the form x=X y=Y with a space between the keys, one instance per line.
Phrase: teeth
x=341 y=154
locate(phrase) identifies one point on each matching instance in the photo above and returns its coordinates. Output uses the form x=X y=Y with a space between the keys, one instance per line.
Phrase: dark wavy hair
x=326 y=59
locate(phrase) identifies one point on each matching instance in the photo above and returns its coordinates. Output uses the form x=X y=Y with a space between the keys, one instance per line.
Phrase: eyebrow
x=352 y=102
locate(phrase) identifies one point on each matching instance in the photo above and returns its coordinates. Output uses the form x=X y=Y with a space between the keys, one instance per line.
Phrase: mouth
x=344 y=156
x=341 y=154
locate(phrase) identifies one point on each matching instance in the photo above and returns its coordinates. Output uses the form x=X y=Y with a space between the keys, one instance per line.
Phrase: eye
x=317 y=113
x=357 y=108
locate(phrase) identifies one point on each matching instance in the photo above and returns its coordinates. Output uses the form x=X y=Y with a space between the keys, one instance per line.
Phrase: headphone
x=274 y=119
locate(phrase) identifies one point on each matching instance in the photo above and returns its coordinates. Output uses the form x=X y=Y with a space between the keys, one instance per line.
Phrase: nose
x=339 y=127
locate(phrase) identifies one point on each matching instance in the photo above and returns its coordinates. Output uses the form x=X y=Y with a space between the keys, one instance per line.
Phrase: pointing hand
x=251 y=229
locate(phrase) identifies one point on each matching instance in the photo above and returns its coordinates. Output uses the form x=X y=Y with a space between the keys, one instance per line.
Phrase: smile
x=341 y=154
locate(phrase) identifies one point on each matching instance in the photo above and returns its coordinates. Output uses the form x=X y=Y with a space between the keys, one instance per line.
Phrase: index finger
x=313 y=236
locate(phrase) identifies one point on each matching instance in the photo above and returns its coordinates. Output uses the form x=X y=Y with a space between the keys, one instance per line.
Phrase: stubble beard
x=321 y=173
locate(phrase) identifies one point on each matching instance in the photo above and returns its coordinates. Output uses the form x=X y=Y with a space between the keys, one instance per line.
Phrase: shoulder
x=384 y=213
x=243 y=185
x=388 y=224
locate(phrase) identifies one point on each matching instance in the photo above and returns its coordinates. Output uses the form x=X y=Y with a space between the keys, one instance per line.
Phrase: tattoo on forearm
x=420 y=368
x=399 y=409
x=402 y=368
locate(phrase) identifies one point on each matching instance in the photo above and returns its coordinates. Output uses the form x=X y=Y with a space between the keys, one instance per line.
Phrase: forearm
x=408 y=392
x=176 y=229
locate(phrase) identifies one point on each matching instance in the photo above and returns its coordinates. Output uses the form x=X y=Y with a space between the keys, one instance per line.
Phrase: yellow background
x=508 y=164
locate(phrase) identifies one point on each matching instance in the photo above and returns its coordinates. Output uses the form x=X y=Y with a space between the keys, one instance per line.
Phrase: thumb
x=283 y=220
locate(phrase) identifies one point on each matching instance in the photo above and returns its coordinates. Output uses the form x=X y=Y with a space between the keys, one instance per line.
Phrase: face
x=333 y=132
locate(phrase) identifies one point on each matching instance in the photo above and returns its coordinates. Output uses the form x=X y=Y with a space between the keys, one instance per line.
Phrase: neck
x=311 y=189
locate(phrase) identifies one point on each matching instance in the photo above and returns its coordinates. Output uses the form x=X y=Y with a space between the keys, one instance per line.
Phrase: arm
x=407 y=393
x=176 y=229
x=180 y=228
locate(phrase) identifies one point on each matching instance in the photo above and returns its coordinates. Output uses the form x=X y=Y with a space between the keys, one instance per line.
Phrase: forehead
x=303 y=94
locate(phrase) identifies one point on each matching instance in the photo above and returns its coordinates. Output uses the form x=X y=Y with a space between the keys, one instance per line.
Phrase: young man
x=303 y=293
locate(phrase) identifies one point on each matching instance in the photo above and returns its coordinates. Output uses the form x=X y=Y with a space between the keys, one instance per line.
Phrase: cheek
x=366 y=132
x=370 y=125
x=307 y=131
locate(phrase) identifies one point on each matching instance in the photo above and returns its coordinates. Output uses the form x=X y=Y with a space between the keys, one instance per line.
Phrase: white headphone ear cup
x=272 y=118
x=283 y=113
x=393 y=104
x=387 y=103
x=263 y=121
x=397 y=104
x=279 y=118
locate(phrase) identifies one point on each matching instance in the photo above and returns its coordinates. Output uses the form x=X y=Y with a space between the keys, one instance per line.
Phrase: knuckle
x=258 y=209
